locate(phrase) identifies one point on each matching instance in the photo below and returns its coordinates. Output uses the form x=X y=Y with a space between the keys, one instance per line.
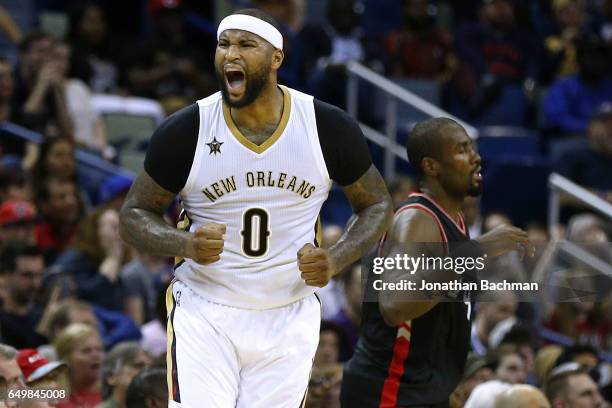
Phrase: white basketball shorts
x=224 y=357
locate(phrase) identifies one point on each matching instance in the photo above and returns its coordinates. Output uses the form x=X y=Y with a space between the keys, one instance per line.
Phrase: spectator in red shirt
x=61 y=211
x=419 y=49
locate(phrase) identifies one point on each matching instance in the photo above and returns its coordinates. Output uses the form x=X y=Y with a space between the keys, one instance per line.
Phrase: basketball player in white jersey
x=252 y=166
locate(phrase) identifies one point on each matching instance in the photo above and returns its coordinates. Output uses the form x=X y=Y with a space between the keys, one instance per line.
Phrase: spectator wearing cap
x=81 y=347
x=477 y=371
x=95 y=260
x=120 y=366
x=569 y=386
x=41 y=373
x=148 y=389
x=23 y=267
x=113 y=190
x=171 y=65
x=17 y=219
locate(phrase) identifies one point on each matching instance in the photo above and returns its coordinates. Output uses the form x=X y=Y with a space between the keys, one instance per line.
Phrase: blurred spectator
x=288 y=15
x=585 y=355
x=326 y=377
x=143 y=277
x=169 y=65
x=23 y=266
x=571 y=386
x=349 y=316
x=545 y=361
x=40 y=373
x=507 y=266
x=93 y=52
x=17 y=222
x=154 y=335
x=572 y=101
x=9 y=369
x=39 y=91
x=121 y=365
x=148 y=389
x=584 y=322
x=510 y=367
x=419 y=49
x=488 y=315
x=523 y=338
x=400 y=188
x=9 y=27
x=603 y=21
x=477 y=371
x=113 y=190
x=61 y=211
x=522 y=395
x=81 y=347
x=89 y=129
x=95 y=259
x=328 y=47
x=495 y=53
x=7 y=86
x=560 y=56
x=15 y=184
x=484 y=395
x=113 y=327
x=591 y=165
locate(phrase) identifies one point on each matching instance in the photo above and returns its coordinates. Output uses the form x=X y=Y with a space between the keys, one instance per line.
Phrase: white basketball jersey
x=268 y=196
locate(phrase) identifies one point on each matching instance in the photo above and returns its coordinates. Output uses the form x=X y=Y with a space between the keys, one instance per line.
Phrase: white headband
x=253 y=25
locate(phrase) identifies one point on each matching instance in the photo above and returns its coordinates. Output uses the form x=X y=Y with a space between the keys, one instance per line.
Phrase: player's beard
x=255 y=83
x=475 y=190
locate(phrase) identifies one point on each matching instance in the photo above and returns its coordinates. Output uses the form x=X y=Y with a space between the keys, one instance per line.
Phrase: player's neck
x=260 y=119
x=452 y=205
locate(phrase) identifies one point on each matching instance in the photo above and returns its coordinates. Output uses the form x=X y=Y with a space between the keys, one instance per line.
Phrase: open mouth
x=235 y=80
x=477 y=175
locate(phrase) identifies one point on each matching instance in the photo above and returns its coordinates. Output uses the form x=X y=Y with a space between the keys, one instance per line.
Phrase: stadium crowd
x=83 y=312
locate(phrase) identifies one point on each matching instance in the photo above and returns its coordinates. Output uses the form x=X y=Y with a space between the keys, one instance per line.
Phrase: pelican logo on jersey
x=253 y=179
x=215 y=146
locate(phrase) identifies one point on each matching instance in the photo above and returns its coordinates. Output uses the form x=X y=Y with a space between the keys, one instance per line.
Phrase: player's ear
x=429 y=166
x=277 y=58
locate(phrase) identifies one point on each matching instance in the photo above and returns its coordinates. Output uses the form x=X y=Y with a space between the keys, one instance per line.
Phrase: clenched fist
x=315 y=264
x=206 y=243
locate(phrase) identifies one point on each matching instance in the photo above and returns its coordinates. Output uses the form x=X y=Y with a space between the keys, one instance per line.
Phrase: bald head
x=522 y=395
x=426 y=140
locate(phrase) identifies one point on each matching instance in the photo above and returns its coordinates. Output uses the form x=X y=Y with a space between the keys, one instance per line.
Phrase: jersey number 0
x=255 y=232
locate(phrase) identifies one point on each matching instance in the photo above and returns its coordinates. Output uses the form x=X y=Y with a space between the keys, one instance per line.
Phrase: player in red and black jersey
x=413 y=345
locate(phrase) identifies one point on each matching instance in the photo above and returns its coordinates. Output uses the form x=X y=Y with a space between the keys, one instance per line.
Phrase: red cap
x=156 y=6
x=14 y=211
x=34 y=366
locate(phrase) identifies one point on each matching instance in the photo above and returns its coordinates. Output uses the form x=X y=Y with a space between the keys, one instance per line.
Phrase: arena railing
x=560 y=185
x=394 y=94
x=86 y=159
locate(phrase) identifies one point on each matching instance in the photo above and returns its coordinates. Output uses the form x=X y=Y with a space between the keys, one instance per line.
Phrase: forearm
x=62 y=115
x=361 y=234
x=35 y=100
x=148 y=232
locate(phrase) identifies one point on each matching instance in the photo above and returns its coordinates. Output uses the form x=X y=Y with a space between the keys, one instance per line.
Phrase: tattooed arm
x=142 y=224
x=373 y=208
